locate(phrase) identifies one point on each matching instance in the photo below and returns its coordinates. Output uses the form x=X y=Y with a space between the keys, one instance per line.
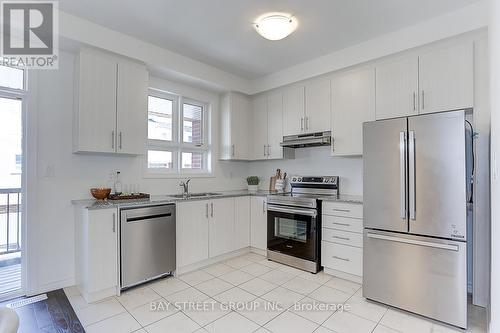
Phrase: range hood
x=307 y=140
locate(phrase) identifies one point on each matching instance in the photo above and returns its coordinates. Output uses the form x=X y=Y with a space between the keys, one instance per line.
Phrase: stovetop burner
x=306 y=191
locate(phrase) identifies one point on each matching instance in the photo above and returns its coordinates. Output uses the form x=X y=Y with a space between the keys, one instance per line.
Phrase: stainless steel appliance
x=147 y=243
x=415 y=213
x=294 y=222
x=307 y=140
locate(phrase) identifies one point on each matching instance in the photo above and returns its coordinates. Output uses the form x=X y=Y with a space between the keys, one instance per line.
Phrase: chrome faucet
x=185 y=187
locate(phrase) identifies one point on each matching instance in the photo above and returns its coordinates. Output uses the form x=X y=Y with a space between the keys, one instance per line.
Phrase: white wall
x=315 y=162
x=52 y=229
x=494 y=41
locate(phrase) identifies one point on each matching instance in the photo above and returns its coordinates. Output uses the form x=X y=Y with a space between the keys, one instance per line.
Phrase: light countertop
x=165 y=199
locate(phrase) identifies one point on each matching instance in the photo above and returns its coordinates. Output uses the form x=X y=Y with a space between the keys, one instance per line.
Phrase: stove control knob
x=299 y=180
x=294 y=179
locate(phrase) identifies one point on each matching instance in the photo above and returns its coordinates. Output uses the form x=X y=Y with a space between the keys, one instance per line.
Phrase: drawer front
x=342 y=223
x=343 y=209
x=344 y=258
x=342 y=237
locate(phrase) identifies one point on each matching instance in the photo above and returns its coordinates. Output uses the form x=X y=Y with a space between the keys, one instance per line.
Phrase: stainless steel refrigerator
x=415 y=215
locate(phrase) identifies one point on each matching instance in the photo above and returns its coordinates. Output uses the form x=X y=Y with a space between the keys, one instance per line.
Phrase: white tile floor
x=253 y=280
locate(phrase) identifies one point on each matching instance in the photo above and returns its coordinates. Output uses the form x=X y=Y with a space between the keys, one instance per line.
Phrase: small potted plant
x=253 y=183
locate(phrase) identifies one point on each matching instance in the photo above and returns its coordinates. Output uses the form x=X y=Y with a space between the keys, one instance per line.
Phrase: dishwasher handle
x=148 y=217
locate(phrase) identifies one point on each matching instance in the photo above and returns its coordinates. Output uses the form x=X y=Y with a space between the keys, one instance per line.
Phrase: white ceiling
x=220 y=32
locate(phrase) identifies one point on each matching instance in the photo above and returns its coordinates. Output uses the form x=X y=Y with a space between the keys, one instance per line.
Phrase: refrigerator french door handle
x=414 y=242
x=402 y=174
x=411 y=174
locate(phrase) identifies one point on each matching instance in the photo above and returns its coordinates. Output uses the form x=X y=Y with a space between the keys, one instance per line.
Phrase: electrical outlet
x=50 y=171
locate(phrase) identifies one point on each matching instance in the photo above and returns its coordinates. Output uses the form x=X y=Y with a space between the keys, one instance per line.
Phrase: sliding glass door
x=11 y=169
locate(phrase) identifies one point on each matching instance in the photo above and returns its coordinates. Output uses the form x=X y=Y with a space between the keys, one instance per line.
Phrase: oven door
x=292 y=231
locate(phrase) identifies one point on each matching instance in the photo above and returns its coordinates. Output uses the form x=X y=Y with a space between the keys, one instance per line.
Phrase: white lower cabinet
x=220 y=227
x=97 y=252
x=241 y=222
x=210 y=228
x=192 y=232
x=258 y=220
x=342 y=240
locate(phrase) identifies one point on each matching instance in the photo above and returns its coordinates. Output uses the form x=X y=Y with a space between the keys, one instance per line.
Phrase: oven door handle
x=306 y=212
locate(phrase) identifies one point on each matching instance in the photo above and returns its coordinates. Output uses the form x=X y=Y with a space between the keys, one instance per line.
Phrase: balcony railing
x=10 y=220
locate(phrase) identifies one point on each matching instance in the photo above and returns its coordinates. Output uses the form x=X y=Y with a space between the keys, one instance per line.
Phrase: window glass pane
x=158 y=159
x=10 y=143
x=159 y=118
x=192 y=161
x=192 y=124
x=11 y=77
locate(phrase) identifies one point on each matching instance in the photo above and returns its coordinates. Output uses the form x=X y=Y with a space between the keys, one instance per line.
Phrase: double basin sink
x=195 y=195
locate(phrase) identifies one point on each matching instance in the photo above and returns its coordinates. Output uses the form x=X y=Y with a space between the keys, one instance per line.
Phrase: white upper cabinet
x=353 y=103
x=268 y=126
x=397 y=88
x=111 y=105
x=446 y=78
x=95 y=115
x=274 y=125
x=317 y=106
x=236 y=127
x=437 y=79
x=260 y=127
x=293 y=110
x=306 y=108
x=132 y=108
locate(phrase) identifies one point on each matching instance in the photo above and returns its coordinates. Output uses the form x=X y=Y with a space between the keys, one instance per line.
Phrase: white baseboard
x=211 y=261
x=343 y=275
x=52 y=286
x=258 y=251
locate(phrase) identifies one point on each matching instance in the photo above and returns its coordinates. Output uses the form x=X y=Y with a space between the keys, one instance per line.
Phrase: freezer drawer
x=423 y=275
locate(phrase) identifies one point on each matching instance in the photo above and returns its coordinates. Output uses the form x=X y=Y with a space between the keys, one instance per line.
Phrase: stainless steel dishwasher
x=147 y=243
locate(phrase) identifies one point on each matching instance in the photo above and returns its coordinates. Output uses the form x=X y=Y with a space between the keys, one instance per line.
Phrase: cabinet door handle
x=232 y=150
x=307 y=123
x=339 y=258
x=114 y=222
x=423 y=100
x=301 y=123
x=211 y=209
x=341 y=210
x=120 y=136
x=265 y=154
x=206 y=211
x=343 y=238
x=268 y=150
x=414 y=101
x=263 y=206
x=342 y=224
x=112 y=139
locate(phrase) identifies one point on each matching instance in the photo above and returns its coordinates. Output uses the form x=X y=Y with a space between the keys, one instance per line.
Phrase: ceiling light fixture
x=275 y=26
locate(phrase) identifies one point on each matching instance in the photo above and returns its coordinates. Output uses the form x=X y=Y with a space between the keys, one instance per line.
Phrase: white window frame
x=177 y=145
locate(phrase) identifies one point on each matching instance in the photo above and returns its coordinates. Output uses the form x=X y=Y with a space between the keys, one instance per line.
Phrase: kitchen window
x=178 y=136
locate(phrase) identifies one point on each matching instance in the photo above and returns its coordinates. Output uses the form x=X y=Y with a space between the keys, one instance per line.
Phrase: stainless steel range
x=294 y=222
